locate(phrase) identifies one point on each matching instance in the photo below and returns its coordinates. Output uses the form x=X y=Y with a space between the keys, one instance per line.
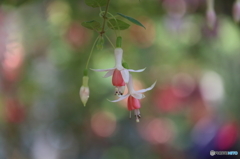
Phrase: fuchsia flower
x=211 y=18
x=133 y=98
x=236 y=11
x=120 y=75
x=210 y=14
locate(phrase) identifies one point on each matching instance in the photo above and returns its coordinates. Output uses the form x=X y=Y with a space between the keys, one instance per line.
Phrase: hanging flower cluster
x=122 y=78
x=120 y=73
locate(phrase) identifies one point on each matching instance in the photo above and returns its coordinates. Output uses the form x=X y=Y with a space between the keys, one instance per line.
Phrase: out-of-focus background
x=194 y=108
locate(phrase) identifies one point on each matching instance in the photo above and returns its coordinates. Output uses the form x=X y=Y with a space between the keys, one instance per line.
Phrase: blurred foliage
x=43 y=52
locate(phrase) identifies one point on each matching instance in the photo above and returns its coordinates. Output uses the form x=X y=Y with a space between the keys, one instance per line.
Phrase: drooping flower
x=84 y=91
x=210 y=14
x=120 y=75
x=236 y=11
x=133 y=102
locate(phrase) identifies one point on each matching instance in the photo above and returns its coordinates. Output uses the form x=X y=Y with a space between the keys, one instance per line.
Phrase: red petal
x=133 y=103
x=117 y=79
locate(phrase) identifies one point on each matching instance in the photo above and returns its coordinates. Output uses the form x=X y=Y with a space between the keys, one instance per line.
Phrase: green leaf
x=96 y=3
x=117 y=24
x=131 y=20
x=93 y=25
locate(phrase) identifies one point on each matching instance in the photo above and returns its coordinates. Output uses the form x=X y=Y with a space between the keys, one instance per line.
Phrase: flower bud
x=84 y=91
x=236 y=11
x=125 y=65
x=100 y=43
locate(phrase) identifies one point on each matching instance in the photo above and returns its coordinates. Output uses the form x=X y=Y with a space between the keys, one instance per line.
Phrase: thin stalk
x=109 y=41
x=91 y=51
x=210 y=4
x=115 y=31
x=104 y=18
x=116 y=22
x=113 y=27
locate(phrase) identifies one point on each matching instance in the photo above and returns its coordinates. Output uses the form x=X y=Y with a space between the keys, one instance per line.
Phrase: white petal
x=121 y=98
x=137 y=95
x=109 y=73
x=130 y=85
x=102 y=70
x=84 y=94
x=147 y=89
x=141 y=70
x=125 y=75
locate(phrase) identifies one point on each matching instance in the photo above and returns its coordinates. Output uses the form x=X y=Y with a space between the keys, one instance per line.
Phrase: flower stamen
x=119 y=91
x=137 y=115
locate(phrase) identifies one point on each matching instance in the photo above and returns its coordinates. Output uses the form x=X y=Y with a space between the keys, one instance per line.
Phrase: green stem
x=91 y=51
x=109 y=41
x=210 y=4
x=113 y=27
x=116 y=22
x=104 y=18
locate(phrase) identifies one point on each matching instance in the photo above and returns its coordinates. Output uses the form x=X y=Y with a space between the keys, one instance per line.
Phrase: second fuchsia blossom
x=133 y=98
x=210 y=14
x=120 y=75
x=236 y=11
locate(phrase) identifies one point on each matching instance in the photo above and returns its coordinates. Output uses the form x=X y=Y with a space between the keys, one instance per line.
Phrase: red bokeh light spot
x=166 y=100
x=15 y=112
x=76 y=35
x=103 y=123
x=227 y=136
x=157 y=131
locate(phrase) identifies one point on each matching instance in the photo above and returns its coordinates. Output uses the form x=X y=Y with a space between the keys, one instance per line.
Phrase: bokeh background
x=194 y=108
